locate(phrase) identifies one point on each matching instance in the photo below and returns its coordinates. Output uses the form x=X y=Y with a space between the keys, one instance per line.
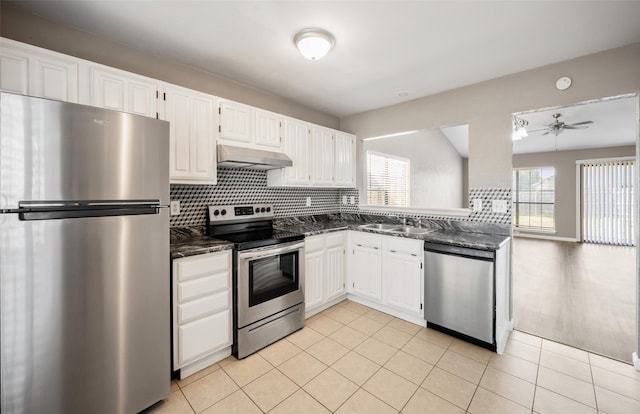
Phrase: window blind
x=608 y=202
x=387 y=180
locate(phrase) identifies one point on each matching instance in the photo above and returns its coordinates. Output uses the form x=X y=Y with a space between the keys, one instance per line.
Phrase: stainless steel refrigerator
x=84 y=258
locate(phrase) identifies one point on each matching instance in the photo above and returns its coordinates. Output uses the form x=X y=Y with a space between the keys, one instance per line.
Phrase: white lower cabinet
x=202 y=311
x=366 y=265
x=324 y=271
x=403 y=274
x=387 y=272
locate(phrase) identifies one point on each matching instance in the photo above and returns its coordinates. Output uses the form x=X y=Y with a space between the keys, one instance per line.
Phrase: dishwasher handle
x=459 y=251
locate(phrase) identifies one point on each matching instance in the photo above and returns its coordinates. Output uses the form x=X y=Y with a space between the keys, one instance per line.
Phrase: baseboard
x=636 y=361
x=418 y=320
x=545 y=237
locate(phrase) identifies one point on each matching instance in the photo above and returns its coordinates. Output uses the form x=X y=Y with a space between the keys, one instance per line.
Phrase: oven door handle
x=268 y=252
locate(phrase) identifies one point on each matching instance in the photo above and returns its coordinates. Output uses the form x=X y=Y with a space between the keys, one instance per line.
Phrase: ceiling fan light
x=314 y=43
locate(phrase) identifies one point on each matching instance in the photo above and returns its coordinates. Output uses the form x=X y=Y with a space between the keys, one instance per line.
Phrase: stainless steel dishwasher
x=460 y=292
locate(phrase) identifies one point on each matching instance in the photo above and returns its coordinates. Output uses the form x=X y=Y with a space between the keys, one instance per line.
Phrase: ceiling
x=382 y=47
x=614 y=124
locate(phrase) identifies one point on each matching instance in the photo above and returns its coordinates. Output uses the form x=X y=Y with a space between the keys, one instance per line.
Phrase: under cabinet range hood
x=230 y=156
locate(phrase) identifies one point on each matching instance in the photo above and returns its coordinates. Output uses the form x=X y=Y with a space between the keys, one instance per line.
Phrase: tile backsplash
x=237 y=186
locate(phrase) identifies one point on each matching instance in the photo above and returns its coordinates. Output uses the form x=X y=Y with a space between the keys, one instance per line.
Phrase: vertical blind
x=608 y=202
x=387 y=180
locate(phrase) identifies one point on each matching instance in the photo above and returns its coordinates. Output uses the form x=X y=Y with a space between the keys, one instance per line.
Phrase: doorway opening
x=574 y=254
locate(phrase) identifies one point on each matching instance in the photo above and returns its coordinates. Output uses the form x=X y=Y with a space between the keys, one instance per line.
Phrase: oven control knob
x=216 y=212
x=223 y=212
x=257 y=210
x=262 y=210
x=268 y=209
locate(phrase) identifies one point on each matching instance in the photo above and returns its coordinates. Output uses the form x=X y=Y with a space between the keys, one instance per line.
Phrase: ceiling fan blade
x=546 y=133
x=581 y=123
x=575 y=127
x=538 y=130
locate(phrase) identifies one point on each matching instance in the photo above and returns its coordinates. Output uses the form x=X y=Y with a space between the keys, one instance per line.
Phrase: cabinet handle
x=375 y=248
x=392 y=251
x=413 y=254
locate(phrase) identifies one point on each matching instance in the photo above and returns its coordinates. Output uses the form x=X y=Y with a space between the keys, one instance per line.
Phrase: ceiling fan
x=557 y=126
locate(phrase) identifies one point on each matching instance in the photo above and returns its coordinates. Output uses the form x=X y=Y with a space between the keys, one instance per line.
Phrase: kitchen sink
x=409 y=230
x=379 y=226
x=394 y=228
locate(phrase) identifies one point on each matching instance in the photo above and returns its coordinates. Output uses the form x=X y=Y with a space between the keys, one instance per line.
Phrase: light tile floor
x=353 y=359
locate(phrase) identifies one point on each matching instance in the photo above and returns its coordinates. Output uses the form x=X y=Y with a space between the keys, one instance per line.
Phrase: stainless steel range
x=268 y=275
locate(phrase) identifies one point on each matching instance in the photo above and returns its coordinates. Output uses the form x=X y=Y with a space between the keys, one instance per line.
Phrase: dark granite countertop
x=190 y=241
x=451 y=233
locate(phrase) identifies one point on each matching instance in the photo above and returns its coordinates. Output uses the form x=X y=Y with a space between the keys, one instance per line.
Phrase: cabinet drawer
x=203 y=336
x=313 y=244
x=367 y=240
x=192 y=267
x=203 y=286
x=204 y=306
x=335 y=239
x=404 y=246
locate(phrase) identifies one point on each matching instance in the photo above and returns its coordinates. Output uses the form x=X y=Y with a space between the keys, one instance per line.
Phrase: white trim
x=417 y=320
x=205 y=362
x=545 y=237
x=610 y=159
x=452 y=212
x=636 y=361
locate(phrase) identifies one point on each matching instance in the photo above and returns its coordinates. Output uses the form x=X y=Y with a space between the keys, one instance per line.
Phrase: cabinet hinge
x=157 y=116
x=219 y=128
x=220 y=110
x=420 y=265
x=157 y=94
x=353 y=285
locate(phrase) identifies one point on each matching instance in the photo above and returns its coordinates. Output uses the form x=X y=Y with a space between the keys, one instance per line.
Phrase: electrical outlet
x=499 y=206
x=308 y=201
x=175 y=207
x=477 y=204
x=352 y=200
x=344 y=199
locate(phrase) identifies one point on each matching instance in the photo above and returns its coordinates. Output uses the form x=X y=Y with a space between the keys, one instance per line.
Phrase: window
x=534 y=198
x=608 y=202
x=387 y=180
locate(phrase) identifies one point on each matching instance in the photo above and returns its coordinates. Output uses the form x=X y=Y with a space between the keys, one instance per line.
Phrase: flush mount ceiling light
x=314 y=43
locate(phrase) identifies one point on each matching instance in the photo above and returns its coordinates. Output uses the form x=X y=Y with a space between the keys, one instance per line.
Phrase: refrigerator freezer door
x=52 y=150
x=85 y=324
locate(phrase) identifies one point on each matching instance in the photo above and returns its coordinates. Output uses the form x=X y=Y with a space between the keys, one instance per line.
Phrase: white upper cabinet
x=30 y=70
x=344 y=162
x=236 y=121
x=268 y=128
x=121 y=91
x=247 y=126
x=192 y=118
x=321 y=156
x=295 y=144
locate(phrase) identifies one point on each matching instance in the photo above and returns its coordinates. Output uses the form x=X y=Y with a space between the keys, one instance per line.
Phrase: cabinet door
x=335 y=266
x=296 y=146
x=192 y=138
x=321 y=156
x=30 y=70
x=313 y=279
x=402 y=281
x=268 y=128
x=236 y=121
x=122 y=91
x=345 y=159
x=367 y=272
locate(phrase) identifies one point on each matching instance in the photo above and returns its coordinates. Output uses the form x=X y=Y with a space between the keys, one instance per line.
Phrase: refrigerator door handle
x=51 y=210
